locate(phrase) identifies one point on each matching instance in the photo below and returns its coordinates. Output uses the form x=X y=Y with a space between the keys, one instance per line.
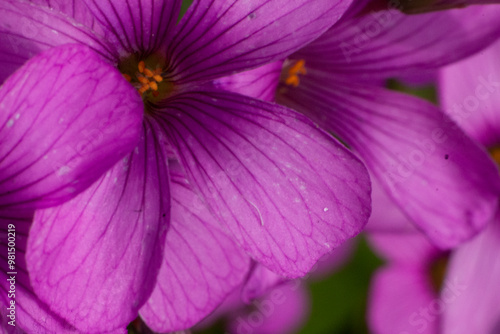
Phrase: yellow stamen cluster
x=146 y=78
x=294 y=71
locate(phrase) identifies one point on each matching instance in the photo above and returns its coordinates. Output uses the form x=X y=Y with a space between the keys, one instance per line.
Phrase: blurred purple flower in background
x=410 y=146
x=470 y=94
x=423 y=289
x=226 y=175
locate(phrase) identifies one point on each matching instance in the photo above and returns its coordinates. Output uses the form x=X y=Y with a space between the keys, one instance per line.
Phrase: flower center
x=147 y=76
x=291 y=72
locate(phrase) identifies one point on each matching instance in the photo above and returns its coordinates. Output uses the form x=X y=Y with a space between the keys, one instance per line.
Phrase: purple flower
x=470 y=94
x=404 y=293
x=230 y=177
x=437 y=175
x=425 y=290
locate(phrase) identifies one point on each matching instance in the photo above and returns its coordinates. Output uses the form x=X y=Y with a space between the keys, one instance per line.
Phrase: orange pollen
x=142 y=80
x=298 y=67
x=153 y=85
x=142 y=66
x=143 y=89
x=148 y=73
x=294 y=71
x=293 y=80
x=146 y=80
x=158 y=78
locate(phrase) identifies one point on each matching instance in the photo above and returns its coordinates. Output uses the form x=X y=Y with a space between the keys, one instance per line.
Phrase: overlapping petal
x=221 y=37
x=260 y=82
x=78 y=10
x=201 y=264
x=260 y=281
x=416 y=152
x=136 y=25
x=94 y=259
x=27 y=29
x=65 y=118
x=470 y=94
x=389 y=43
x=474 y=271
x=283 y=310
x=30 y=313
x=286 y=190
x=407 y=249
x=400 y=302
x=386 y=216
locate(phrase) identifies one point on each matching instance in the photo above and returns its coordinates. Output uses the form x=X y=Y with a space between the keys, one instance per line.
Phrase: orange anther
x=298 y=67
x=293 y=80
x=142 y=80
x=143 y=89
x=153 y=85
x=158 y=78
x=127 y=77
x=148 y=73
x=141 y=66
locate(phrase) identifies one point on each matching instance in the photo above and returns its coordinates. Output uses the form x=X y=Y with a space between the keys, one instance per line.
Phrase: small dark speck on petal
x=446 y=156
x=252 y=16
x=163 y=215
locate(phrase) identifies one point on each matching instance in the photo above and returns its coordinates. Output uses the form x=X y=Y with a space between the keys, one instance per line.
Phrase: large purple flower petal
x=470 y=94
x=31 y=314
x=136 y=25
x=286 y=190
x=220 y=37
x=390 y=43
x=259 y=282
x=474 y=269
x=415 y=151
x=260 y=82
x=65 y=118
x=27 y=29
x=201 y=264
x=94 y=259
x=402 y=301
x=78 y=10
